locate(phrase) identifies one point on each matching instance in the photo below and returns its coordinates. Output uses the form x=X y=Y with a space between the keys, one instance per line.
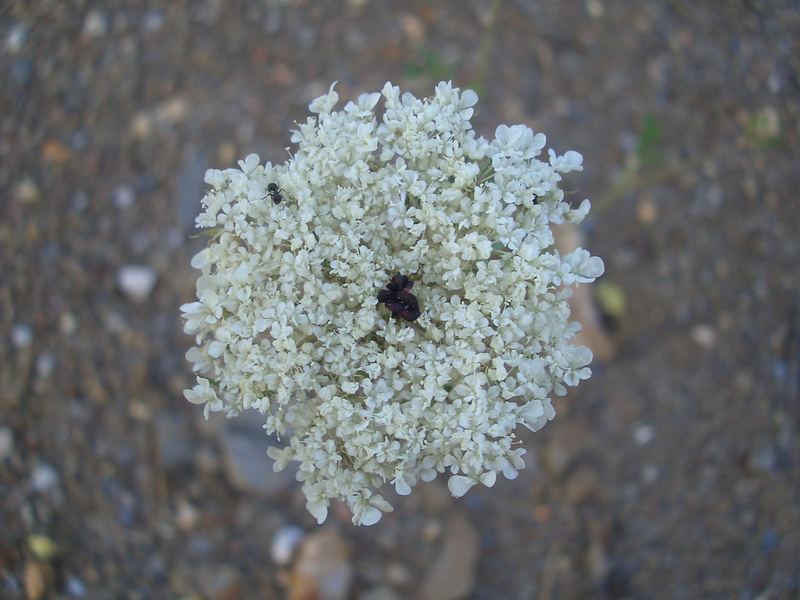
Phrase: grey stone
x=380 y=593
x=284 y=543
x=6 y=443
x=452 y=574
x=44 y=478
x=136 y=281
x=175 y=443
x=247 y=465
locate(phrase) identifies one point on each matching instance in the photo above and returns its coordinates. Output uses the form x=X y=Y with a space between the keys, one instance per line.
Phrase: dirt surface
x=672 y=473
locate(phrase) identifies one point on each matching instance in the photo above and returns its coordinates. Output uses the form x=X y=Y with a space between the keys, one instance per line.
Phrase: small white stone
x=21 y=336
x=67 y=324
x=152 y=21
x=284 y=543
x=704 y=336
x=643 y=435
x=595 y=9
x=45 y=363
x=123 y=196
x=15 y=39
x=6 y=443
x=650 y=474
x=94 y=25
x=186 y=515
x=136 y=281
x=44 y=478
x=75 y=587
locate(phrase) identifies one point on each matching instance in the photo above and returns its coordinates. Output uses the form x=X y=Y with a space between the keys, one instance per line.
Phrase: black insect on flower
x=274 y=192
x=398 y=299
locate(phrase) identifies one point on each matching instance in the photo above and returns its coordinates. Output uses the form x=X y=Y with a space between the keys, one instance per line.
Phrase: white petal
x=401 y=487
x=370 y=516
x=318 y=510
x=459 y=485
x=468 y=98
x=427 y=475
x=215 y=349
x=489 y=478
x=593 y=267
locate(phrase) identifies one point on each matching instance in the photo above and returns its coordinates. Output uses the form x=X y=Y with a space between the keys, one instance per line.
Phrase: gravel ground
x=672 y=473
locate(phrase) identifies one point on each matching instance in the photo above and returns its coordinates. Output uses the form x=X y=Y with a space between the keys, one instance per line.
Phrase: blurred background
x=672 y=473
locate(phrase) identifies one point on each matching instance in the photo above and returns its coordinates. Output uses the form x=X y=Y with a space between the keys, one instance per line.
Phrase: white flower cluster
x=287 y=319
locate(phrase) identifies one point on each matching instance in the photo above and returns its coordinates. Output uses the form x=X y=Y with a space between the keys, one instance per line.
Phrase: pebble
x=22 y=71
x=704 y=336
x=142 y=126
x=79 y=139
x=75 y=587
x=247 y=465
x=398 y=574
x=380 y=593
x=67 y=323
x=452 y=574
x=174 y=440
x=322 y=570
x=226 y=153
x=763 y=457
x=650 y=474
x=42 y=547
x=187 y=515
x=647 y=211
x=595 y=9
x=136 y=281
x=566 y=441
x=26 y=191
x=770 y=541
x=6 y=443
x=152 y=21
x=140 y=411
x=435 y=497
x=597 y=558
x=172 y=110
x=37 y=577
x=432 y=530
x=413 y=27
x=45 y=363
x=284 y=543
x=94 y=25
x=219 y=582
x=643 y=434
x=765 y=125
x=21 y=336
x=123 y=196
x=581 y=486
x=199 y=545
x=16 y=37
x=542 y=513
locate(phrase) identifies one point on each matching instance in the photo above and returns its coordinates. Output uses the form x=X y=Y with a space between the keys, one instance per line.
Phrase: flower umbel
x=368 y=382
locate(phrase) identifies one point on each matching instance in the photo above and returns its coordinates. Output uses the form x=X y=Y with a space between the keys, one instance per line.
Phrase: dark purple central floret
x=398 y=299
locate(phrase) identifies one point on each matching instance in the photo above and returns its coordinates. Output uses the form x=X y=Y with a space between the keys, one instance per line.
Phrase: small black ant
x=274 y=192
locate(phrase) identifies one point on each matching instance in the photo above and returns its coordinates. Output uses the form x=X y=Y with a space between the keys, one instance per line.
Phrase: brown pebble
x=55 y=152
x=322 y=570
x=37 y=578
x=542 y=513
x=581 y=486
x=452 y=573
x=647 y=211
